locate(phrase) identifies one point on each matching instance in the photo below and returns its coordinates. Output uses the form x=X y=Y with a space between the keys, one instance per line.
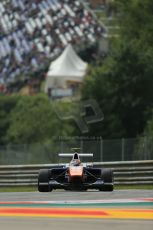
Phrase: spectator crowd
x=33 y=32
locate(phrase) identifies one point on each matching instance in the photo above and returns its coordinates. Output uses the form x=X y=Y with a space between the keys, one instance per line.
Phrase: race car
x=75 y=176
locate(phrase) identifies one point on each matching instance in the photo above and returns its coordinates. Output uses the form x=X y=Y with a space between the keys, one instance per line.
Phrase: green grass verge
x=18 y=189
x=34 y=189
x=119 y=187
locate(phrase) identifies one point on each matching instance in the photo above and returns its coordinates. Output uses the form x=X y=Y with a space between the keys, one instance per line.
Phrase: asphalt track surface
x=58 y=195
x=18 y=222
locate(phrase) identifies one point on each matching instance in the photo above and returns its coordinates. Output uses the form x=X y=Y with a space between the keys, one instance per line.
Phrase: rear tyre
x=43 y=181
x=107 y=177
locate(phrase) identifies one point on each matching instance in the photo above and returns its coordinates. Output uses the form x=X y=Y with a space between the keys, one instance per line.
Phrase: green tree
x=7 y=104
x=123 y=84
x=34 y=120
x=98 y=85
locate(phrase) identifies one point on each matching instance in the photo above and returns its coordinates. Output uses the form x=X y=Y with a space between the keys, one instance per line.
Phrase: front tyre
x=43 y=181
x=107 y=177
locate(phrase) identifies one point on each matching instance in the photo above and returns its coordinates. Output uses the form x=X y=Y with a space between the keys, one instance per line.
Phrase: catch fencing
x=103 y=150
x=125 y=173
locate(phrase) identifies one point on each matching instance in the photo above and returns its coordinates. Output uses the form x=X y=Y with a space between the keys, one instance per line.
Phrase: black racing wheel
x=107 y=177
x=43 y=181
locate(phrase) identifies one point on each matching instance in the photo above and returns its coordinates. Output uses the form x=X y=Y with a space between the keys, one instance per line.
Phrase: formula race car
x=75 y=176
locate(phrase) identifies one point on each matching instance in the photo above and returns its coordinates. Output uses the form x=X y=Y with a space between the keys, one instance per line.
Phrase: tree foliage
x=34 y=120
x=7 y=104
x=123 y=84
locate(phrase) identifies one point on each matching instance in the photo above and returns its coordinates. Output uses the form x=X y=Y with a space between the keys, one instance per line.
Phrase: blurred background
x=61 y=53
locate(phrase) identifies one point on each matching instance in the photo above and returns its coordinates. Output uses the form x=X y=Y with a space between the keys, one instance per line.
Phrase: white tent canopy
x=67 y=67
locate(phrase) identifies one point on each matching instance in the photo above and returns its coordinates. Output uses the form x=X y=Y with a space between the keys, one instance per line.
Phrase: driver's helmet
x=76 y=162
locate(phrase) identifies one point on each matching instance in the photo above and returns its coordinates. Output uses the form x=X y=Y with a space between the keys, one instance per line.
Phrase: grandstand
x=32 y=33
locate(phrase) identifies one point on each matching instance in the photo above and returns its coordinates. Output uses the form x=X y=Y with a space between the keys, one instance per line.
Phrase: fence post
x=145 y=148
x=101 y=150
x=123 y=146
x=61 y=146
x=81 y=146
